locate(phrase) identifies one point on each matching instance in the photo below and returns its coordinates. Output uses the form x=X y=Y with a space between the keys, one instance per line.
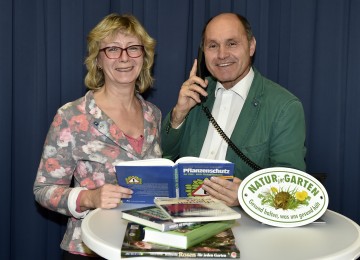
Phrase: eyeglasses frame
x=123 y=49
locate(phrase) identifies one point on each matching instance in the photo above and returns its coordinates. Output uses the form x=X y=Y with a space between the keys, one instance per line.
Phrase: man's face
x=227 y=49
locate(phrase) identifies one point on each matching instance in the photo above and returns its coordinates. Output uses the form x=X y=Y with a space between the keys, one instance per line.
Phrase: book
x=162 y=177
x=154 y=217
x=186 y=237
x=221 y=245
x=196 y=209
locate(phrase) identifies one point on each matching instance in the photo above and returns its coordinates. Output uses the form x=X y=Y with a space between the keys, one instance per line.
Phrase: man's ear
x=252 y=46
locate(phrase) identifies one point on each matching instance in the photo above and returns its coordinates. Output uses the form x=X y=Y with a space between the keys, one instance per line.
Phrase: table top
x=339 y=238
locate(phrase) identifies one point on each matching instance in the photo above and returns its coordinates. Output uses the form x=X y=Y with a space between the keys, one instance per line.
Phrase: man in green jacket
x=264 y=120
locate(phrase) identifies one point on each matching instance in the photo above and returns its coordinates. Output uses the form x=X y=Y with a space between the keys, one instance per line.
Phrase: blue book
x=162 y=177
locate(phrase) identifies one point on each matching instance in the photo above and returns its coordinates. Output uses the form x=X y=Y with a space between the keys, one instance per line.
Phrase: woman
x=111 y=123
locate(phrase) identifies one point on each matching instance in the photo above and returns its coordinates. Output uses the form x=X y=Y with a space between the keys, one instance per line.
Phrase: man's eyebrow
x=218 y=42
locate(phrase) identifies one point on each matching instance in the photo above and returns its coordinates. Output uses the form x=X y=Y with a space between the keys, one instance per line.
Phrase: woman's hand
x=107 y=196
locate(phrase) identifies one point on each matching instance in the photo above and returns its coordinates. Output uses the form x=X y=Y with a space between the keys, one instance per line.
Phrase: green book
x=187 y=236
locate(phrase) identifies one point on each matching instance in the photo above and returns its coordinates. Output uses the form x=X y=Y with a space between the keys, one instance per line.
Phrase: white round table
x=338 y=238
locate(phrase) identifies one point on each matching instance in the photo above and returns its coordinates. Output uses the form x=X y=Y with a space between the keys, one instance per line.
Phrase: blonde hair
x=110 y=26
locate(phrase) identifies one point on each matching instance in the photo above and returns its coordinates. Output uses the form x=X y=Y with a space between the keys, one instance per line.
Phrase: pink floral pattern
x=84 y=144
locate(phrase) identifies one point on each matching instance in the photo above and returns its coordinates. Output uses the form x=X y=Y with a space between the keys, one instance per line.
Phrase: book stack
x=192 y=227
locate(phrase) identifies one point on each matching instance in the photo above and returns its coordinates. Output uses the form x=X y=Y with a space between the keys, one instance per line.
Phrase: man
x=265 y=121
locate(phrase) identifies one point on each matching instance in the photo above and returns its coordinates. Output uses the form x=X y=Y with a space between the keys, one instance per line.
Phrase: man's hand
x=222 y=189
x=189 y=96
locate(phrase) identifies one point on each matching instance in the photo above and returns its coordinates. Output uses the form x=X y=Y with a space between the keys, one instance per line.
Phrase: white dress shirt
x=226 y=110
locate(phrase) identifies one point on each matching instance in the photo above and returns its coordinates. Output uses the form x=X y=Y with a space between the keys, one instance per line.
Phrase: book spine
x=176 y=181
x=208 y=231
x=181 y=254
x=148 y=253
x=174 y=226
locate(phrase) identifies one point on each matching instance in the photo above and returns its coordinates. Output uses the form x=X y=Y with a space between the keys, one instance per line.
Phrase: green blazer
x=270 y=129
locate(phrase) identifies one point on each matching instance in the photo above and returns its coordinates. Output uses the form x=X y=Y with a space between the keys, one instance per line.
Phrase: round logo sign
x=283 y=197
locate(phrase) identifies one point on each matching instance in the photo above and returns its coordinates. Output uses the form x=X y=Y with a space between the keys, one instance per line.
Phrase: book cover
x=154 y=217
x=196 y=209
x=186 y=237
x=221 y=245
x=192 y=172
x=162 y=177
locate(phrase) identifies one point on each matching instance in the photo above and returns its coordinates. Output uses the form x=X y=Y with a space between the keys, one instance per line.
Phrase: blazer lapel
x=249 y=113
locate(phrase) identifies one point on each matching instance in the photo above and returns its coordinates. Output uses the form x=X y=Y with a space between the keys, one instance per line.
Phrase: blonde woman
x=111 y=123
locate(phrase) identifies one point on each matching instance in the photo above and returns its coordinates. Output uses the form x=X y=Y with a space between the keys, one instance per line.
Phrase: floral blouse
x=84 y=144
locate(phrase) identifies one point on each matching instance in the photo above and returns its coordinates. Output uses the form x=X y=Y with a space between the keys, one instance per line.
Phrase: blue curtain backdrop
x=310 y=47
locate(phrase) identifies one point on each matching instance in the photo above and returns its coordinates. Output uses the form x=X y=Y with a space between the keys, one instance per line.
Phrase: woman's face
x=123 y=69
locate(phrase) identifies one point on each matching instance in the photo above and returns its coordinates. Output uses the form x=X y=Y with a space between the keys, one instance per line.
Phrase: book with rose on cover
x=220 y=245
x=162 y=177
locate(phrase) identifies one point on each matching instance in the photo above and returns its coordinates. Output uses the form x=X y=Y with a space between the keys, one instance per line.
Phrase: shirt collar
x=242 y=87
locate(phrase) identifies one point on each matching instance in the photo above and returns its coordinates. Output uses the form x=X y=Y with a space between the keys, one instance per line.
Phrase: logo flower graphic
x=301 y=195
x=280 y=199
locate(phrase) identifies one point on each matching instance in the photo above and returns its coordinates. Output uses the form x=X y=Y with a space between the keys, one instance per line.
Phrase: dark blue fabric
x=309 y=47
